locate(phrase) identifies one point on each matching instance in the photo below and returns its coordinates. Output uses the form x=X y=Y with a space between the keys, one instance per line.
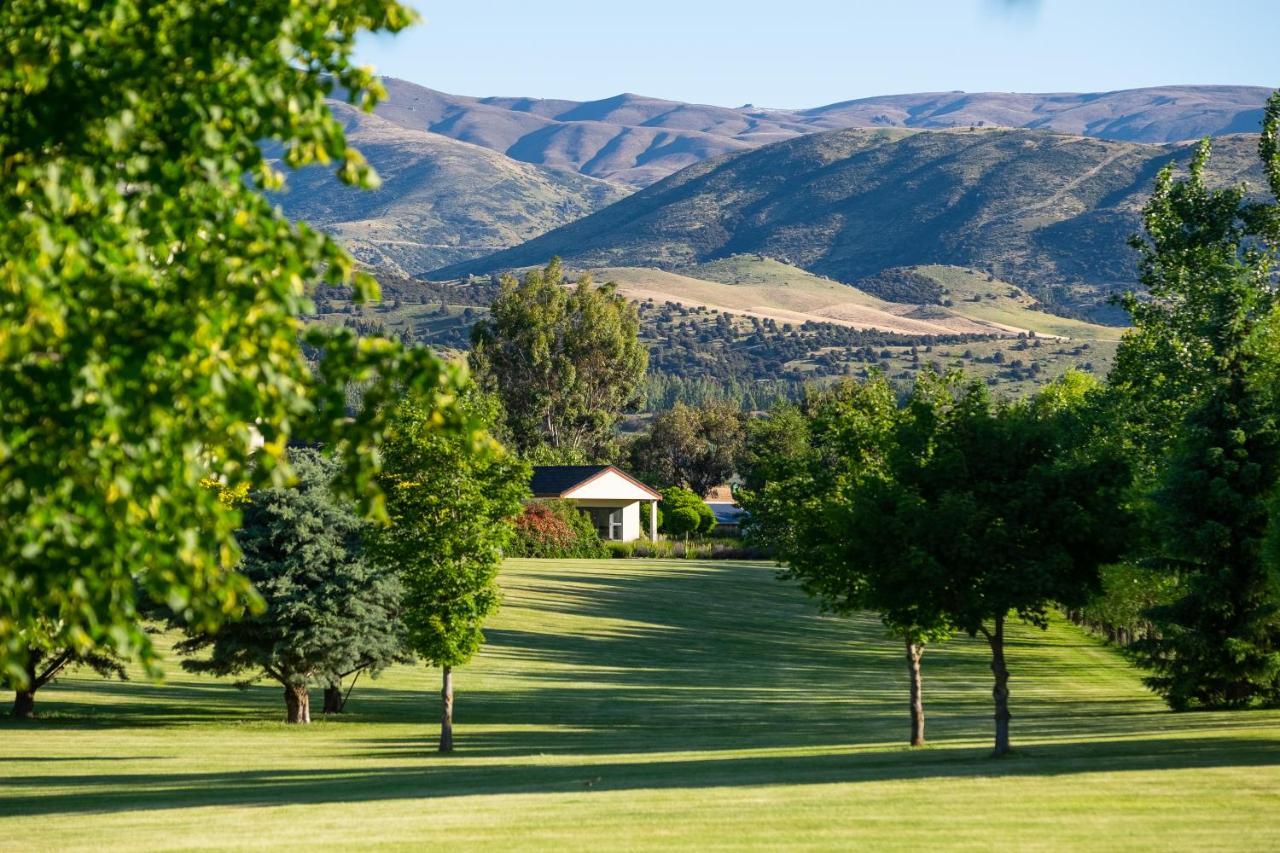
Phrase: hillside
x=633 y=140
x=613 y=691
x=441 y=200
x=1049 y=212
x=750 y=285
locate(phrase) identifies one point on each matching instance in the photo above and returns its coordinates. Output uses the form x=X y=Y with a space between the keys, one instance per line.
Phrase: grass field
x=638 y=704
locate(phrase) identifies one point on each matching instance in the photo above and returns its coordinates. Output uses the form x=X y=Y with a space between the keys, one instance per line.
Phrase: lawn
x=641 y=704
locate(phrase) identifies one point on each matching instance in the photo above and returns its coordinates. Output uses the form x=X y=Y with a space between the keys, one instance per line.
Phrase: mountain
x=633 y=140
x=441 y=200
x=1047 y=211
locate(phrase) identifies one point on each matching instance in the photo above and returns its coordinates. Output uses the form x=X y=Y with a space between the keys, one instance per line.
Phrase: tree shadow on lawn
x=438 y=777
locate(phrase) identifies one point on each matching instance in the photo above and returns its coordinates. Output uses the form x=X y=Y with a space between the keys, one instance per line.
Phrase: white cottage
x=611 y=497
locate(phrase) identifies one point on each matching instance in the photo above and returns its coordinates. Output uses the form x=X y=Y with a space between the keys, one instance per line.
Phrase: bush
x=555 y=529
x=705 y=549
x=683 y=513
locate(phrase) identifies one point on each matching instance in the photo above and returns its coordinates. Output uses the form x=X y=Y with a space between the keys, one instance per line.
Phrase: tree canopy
x=693 y=447
x=329 y=609
x=451 y=510
x=150 y=299
x=1195 y=384
x=564 y=362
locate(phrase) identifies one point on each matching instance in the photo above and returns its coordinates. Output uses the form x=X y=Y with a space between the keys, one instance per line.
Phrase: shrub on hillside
x=899 y=284
x=555 y=529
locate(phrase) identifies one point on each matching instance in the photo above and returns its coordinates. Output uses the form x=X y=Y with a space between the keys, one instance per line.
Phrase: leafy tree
x=451 y=509
x=693 y=447
x=1196 y=391
x=45 y=662
x=950 y=512
x=329 y=610
x=684 y=512
x=565 y=363
x=151 y=297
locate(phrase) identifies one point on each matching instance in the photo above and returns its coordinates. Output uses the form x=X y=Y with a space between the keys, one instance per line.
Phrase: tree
x=1195 y=385
x=451 y=511
x=693 y=447
x=564 y=362
x=950 y=512
x=45 y=662
x=684 y=512
x=329 y=610
x=151 y=299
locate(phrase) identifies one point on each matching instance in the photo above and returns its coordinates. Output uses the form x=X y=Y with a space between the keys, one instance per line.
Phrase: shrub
x=705 y=549
x=555 y=529
x=683 y=513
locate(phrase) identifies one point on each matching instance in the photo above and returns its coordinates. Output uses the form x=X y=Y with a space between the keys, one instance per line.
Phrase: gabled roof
x=554 y=481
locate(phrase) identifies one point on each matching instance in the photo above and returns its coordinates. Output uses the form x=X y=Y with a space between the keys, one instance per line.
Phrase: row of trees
x=951 y=511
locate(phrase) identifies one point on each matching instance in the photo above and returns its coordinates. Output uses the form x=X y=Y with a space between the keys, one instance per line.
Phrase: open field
x=639 y=704
x=752 y=285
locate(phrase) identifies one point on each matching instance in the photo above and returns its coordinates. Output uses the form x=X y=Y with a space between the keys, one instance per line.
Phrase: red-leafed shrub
x=555 y=529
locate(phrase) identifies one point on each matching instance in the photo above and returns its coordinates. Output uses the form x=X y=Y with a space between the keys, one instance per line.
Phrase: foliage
x=684 y=513
x=565 y=362
x=329 y=610
x=697 y=448
x=951 y=511
x=902 y=284
x=1127 y=593
x=706 y=548
x=150 y=298
x=555 y=529
x=451 y=510
x=1194 y=382
x=44 y=661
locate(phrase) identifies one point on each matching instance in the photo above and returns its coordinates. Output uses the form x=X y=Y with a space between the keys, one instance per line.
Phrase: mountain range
x=1047 y=211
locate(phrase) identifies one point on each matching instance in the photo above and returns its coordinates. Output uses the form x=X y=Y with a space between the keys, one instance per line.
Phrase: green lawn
x=640 y=704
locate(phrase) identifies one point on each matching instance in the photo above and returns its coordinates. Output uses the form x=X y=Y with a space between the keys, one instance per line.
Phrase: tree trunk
x=446 y=711
x=297 y=703
x=333 y=699
x=1000 y=692
x=24 y=704
x=914 y=651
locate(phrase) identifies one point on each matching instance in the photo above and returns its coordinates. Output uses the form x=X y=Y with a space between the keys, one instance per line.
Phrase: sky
x=799 y=53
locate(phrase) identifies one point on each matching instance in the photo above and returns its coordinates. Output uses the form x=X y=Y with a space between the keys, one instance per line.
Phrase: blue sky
x=795 y=53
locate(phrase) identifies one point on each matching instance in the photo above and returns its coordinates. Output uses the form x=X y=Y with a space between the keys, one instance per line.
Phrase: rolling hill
x=441 y=200
x=634 y=140
x=1047 y=211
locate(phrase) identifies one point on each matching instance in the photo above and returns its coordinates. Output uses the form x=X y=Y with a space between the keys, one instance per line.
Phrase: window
x=608 y=522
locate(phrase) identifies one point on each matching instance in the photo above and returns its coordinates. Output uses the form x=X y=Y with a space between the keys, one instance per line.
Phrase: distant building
x=608 y=495
x=729 y=516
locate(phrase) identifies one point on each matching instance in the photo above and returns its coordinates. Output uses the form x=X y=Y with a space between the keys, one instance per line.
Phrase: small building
x=609 y=496
x=729 y=516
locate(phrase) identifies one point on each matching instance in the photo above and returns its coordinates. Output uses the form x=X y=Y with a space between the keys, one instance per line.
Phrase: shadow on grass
x=446 y=777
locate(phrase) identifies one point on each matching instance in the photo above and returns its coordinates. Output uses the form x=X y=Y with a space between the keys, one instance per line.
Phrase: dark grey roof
x=727 y=513
x=550 y=481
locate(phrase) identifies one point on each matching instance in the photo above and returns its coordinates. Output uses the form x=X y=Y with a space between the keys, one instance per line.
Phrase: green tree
x=45 y=662
x=685 y=513
x=1195 y=384
x=693 y=447
x=451 y=511
x=330 y=611
x=565 y=362
x=950 y=512
x=151 y=299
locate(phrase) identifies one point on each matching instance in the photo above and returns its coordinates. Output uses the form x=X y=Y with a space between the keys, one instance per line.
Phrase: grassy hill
x=634 y=140
x=441 y=200
x=1049 y=212
x=648 y=705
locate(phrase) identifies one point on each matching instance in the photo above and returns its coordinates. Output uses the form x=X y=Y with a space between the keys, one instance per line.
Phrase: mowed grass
x=647 y=704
